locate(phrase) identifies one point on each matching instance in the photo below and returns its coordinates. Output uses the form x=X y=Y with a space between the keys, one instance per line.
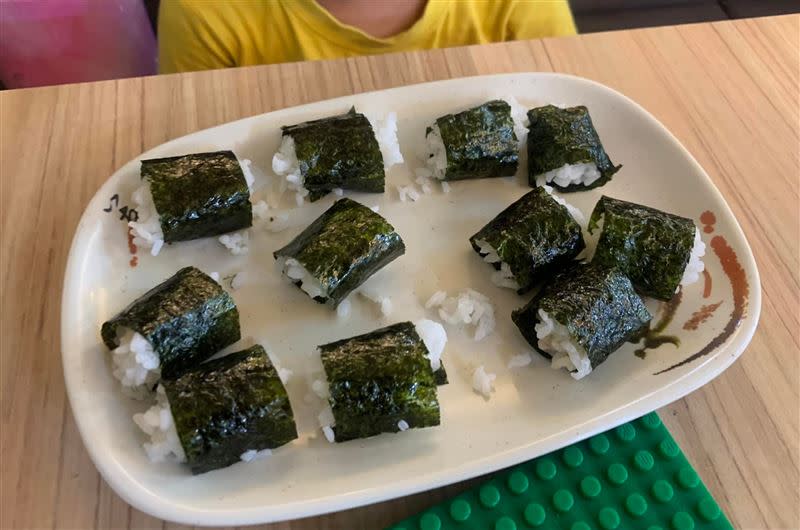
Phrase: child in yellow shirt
x=207 y=34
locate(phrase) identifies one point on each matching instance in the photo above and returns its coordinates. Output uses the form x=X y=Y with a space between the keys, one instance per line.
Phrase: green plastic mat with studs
x=634 y=476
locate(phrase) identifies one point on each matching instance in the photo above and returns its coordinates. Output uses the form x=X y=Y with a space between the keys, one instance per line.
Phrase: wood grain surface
x=729 y=91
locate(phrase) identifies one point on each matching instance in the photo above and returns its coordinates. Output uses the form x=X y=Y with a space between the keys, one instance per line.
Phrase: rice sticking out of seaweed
x=146 y=229
x=585 y=173
x=555 y=339
x=695 y=267
x=136 y=365
x=285 y=164
x=251 y=455
x=573 y=211
x=297 y=273
x=158 y=424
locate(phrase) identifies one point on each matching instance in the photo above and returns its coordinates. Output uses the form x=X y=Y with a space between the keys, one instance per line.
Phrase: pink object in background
x=48 y=42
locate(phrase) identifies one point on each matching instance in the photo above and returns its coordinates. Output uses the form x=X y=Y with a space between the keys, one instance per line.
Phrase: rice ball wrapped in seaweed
x=477 y=143
x=339 y=152
x=383 y=381
x=530 y=240
x=563 y=147
x=581 y=317
x=172 y=327
x=343 y=247
x=657 y=250
x=223 y=411
x=189 y=197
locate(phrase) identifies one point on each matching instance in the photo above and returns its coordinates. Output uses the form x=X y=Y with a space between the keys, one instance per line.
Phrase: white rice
x=502 y=277
x=320 y=388
x=157 y=423
x=573 y=211
x=567 y=174
x=407 y=193
x=146 y=229
x=554 y=338
x=214 y=276
x=483 y=382
x=424 y=185
x=343 y=309
x=237 y=242
x=375 y=293
x=296 y=272
x=435 y=338
x=519 y=114
x=254 y=454
x=695 y=267
x=437 y=159
x=247 y=171
x=403 y=425
x=518 y=361
x=261 y=210
x=327 y=422
x=136 y=365
x=386 y=133
x=467 y=308
x=286 y=165
x=238 y=281
x=284 y=374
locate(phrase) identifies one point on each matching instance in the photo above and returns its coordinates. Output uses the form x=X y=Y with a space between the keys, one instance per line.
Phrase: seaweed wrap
x=383 y=381
x=223 y=411
x=191 y=196
x=581 y=317
x=530 y=240
x=339 y=152
x=564 y=147
x=658 y=251
x=172 y=327
x=477 y=143
x=343 y=247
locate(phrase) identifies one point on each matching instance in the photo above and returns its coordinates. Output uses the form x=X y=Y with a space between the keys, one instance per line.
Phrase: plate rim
x=145 y=500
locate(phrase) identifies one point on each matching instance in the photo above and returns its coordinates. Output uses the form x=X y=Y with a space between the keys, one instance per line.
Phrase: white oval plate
x=534 y=410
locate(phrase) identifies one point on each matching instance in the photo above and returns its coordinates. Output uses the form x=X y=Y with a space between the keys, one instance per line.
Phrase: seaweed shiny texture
x=559 y=136
x=343 y=247
x=650 y=246
x=338 y=152
x=186 y=318
x=378 y=379
x=535 y=235
x=480 y=142
x=598 y=305
x=199 y=195
x=230 y=405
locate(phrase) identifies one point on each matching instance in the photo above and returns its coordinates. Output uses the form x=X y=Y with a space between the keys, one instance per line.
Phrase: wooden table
x=729 y=91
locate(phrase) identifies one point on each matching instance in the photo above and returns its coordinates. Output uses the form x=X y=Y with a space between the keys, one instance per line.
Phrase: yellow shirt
x=207 y=34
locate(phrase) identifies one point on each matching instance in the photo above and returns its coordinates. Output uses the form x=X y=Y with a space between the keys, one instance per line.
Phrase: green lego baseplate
x=634 y=476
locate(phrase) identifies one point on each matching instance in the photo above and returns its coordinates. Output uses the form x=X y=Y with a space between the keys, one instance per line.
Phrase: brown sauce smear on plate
x=700 y=316
x=741 y=291
x=652 y=335
x=132 y=249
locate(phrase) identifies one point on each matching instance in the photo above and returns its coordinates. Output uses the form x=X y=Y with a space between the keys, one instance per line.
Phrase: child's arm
x=195 y=36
